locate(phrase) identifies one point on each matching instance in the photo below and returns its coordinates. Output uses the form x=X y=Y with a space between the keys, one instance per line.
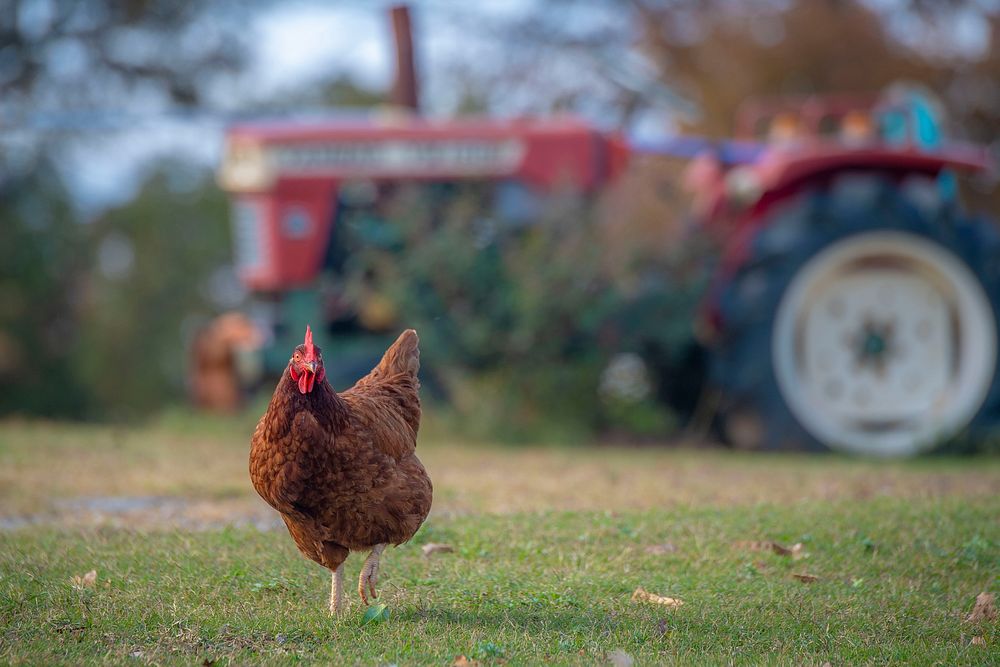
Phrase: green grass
x=549 y=545
x=896 y=581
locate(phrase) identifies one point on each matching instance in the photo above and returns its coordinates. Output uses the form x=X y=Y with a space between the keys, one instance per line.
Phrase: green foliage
x=638 y=418
x=43 y=250
x=131 y=350
x=519 y=319
x=92 y=313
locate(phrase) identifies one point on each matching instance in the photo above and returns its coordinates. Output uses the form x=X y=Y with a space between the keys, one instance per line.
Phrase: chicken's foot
x=369 y=574
x=337 y=605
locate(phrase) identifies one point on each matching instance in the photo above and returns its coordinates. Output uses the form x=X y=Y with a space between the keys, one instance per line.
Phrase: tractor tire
x=865 y=320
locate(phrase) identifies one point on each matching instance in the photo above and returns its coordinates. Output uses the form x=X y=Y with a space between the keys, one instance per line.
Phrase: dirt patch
x=70 y=476
x=149 y=512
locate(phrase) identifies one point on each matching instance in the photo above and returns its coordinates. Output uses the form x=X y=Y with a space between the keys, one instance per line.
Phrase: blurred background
x=766 y=224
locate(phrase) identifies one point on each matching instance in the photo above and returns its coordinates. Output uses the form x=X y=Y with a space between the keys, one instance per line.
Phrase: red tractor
x=854 y=305
x=289 y=180
x=299 y=189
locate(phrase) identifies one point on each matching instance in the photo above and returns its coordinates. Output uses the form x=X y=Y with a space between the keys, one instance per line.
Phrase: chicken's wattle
x=304 y=378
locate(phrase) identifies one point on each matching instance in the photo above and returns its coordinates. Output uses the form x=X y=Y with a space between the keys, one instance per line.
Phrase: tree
x=43 y=253
x=149 y=282
x=698 y=60
x=81 y=54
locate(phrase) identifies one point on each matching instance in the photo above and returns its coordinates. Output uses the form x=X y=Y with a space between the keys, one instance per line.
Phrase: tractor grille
x=249 y=239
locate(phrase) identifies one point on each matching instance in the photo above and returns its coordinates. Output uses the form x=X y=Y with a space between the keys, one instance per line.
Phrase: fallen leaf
x=780 y=550
x=805 y=578
x=642 y=595
x=661 y=627
x=796 y=551
x=660 y=549
x=85 y=581
x=376 y=613
x=462 y=661
x=431 y=548
x=620 y=658
x=984 y=609
x=978 y=641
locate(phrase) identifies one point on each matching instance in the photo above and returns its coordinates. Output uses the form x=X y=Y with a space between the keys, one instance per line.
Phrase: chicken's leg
x=337 y=591
x=369 y=573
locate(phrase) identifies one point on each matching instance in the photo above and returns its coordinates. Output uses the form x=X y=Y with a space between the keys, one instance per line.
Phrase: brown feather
x=341 y=469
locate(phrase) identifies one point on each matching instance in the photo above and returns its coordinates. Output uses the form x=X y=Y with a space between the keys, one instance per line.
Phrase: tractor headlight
x=245 y=167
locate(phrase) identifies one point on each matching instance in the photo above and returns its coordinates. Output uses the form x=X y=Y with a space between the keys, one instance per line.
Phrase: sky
x=300 y=41
x=296 y=42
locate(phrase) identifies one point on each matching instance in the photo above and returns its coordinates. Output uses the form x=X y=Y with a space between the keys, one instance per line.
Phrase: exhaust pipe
x=404 y=87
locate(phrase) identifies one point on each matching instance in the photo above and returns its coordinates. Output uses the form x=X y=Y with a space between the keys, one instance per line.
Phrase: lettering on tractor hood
x=256 y=167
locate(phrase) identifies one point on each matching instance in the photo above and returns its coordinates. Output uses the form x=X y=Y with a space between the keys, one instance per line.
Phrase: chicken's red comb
x=310 y=351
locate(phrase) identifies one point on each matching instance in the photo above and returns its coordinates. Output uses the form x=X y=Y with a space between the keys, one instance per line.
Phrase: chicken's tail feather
x=403 y=356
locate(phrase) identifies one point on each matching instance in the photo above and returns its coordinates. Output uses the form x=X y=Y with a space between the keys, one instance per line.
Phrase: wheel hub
x=874 y=345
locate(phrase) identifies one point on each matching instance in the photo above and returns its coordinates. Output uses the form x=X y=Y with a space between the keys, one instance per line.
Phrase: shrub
x=520 y=319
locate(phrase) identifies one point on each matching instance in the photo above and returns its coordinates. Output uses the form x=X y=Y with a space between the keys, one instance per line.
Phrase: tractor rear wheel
x=865 y=320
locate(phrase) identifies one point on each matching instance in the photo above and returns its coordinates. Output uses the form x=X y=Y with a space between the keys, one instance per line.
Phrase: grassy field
x=549 y=546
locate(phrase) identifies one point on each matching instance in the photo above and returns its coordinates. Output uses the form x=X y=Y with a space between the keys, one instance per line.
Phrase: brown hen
x=341 y=468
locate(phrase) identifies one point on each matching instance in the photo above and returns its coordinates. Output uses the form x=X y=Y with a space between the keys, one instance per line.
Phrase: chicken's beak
x=312 y=365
